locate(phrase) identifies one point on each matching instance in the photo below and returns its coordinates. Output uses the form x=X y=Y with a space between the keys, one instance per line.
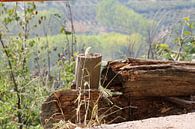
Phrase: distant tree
x=120 y=18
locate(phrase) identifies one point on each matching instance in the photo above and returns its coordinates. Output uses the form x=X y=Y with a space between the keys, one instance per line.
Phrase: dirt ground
x=186 y=121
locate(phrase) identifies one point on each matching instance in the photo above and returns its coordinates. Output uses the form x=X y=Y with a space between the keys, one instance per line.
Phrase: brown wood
x=151 y=78
x=181 y=102
x=62 y=105
x=143 y=85
x=88 y=71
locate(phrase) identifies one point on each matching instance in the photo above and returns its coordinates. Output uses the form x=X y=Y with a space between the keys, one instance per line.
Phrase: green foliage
x=183 y=46
x=111 y=45
x=66 y=71
x=20 y=93
x=117 y=16
x=24 y=83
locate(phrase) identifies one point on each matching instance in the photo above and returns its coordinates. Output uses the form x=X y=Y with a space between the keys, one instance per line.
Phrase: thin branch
x=72 y=29
x=19 y=114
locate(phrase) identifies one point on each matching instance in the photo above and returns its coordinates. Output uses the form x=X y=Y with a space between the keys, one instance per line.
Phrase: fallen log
x=71 y=105
x=145 y=87
x=63 y=106
x=150 y=78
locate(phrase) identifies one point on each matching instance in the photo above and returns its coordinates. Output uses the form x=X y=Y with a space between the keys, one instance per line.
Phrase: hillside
x=85 y=13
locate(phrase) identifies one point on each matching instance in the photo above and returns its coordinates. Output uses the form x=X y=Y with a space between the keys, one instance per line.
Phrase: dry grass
x=84 y=103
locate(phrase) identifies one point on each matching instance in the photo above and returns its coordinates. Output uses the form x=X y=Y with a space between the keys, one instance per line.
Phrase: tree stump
x=88 y=71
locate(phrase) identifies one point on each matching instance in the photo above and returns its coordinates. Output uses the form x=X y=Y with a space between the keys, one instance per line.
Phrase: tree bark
x=62 y=105
x=152 y=78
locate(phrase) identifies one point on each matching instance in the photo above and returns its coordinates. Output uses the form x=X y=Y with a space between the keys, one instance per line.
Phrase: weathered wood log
x=63 y=105
x=88 y=71
x=141 y=83
x=151 y=78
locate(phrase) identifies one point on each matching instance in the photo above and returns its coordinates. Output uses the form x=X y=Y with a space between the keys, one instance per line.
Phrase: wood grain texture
x=151 y=78
x=61 y=105
x=144 y=85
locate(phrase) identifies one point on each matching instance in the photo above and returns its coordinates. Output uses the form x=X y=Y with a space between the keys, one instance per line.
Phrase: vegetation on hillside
x=111 y=45
x=120 y=18
x=146 y=6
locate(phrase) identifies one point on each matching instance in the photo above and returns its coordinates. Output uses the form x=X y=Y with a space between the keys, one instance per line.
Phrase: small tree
x=21 y=93
x=183 y=44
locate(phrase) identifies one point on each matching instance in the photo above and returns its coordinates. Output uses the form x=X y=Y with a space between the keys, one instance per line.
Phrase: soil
x=185 y=121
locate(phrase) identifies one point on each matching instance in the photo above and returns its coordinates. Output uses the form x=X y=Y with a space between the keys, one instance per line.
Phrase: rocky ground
x=186 y=121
